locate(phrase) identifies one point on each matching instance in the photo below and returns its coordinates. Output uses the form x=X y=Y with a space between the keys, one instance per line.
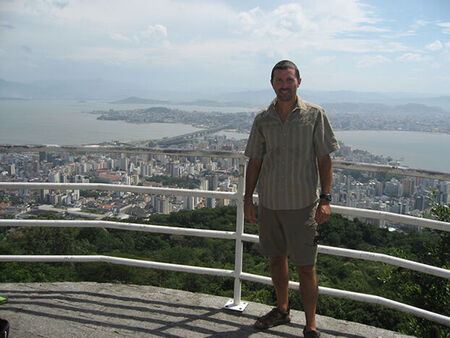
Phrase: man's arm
x=326 y=180
x=251 y=177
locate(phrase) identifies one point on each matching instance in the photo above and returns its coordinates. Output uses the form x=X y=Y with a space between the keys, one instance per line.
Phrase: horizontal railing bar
x=250 y=238
x=227 y=273
x=359 y=297
x=118 y=187
x=436 y=317
x=391 y=217
x=355 y=212
x=117 y=260
x=377 y=257
x=119 y=226
x=372 y=256
x=396 y=170
x=387 y=216
x=119 y=149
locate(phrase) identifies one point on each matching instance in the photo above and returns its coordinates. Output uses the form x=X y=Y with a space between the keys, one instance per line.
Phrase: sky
x=213 y=45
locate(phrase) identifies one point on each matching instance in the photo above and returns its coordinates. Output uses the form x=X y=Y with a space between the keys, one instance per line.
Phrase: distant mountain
x=409 y=108
x=203 y=103
x=263 y=97
x=139 y=100
x=69 y=89
x=213 y=103
x=110 y=90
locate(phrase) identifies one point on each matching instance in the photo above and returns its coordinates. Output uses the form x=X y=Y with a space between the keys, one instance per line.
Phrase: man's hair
x=285 y=64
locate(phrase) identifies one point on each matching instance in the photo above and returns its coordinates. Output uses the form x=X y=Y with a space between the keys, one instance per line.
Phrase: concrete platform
x=117 y=310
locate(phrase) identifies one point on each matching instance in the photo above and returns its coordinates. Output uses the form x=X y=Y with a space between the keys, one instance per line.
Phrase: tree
x=422 y=290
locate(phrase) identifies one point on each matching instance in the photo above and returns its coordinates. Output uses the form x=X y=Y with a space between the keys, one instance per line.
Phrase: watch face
x=326 y=196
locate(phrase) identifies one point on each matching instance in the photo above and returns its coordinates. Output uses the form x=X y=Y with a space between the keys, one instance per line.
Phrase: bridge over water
x=169 y=141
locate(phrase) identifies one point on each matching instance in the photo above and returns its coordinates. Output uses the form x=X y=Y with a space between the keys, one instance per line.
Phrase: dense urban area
x=344 y=116
x=405 y=195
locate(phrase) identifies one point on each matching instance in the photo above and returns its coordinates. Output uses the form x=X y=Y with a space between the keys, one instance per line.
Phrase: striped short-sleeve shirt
x=289 y=175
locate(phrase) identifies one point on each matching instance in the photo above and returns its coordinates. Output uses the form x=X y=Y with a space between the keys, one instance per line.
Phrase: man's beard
x=285 y=95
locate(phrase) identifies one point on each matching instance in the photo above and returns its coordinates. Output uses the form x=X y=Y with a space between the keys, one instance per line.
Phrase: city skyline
x=382 y=46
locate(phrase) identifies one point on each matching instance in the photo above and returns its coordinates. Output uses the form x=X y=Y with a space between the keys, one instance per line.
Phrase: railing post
x=236 y=303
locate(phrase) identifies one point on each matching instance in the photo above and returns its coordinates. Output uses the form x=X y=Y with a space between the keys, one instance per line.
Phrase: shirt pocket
x=300 y=139
x=272 y=135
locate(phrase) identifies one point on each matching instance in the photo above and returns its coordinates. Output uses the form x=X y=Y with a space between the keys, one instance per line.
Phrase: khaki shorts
x=289 y=232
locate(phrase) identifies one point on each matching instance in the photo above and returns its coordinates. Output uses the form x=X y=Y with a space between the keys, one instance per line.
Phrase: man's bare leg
x=309 y=291
x=279 y=272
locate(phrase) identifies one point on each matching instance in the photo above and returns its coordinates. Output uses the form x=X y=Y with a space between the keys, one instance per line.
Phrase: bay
x=420 y=150
x=68 y=122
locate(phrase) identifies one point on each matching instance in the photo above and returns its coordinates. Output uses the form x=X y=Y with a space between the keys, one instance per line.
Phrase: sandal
x=311 y=333
x=273 y=318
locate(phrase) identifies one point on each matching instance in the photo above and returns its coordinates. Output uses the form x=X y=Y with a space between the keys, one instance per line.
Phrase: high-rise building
x=204 y=184
x=12 y=169
x=124 y=163
x=189 y=203
x=163 y=205
x=393 y=188
x=211 y=202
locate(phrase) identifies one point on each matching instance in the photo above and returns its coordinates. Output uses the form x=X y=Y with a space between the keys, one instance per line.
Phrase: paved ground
x=116 y=310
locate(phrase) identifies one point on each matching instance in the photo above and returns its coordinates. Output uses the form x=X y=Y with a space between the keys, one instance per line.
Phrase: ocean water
x=68 y=122
x=418 y=150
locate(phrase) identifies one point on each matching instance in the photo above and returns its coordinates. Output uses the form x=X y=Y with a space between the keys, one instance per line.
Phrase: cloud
x=371 y=60
x=445 y=26
x=140 y=37
x=61 y=4
x=413 y=57
x=434 y=46
x=322 y=25
x=420 y=23
x=157 y=32
x=111 y=56
x=310 y=20
x=152 y=34
x=249 y=19
x=119 y=37
x=35 y=7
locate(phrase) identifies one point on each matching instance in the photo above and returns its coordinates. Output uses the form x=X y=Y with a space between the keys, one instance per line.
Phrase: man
x=288 y=150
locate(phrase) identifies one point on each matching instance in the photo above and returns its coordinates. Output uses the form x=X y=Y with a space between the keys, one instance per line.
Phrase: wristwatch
x=325 y=197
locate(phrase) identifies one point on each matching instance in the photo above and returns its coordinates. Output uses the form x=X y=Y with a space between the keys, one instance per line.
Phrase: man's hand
x=323 y=212
x=249 y=210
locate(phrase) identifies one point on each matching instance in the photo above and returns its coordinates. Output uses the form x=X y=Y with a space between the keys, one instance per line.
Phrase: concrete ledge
x=117 y=310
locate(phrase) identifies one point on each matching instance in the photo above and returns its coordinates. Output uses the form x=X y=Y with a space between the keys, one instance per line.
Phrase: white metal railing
x=239 y=236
